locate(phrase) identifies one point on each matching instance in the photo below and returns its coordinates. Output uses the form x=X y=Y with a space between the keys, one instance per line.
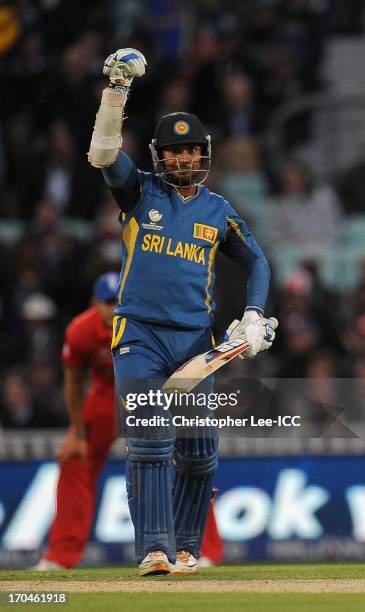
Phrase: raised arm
x=121 y=67
x=105 y=152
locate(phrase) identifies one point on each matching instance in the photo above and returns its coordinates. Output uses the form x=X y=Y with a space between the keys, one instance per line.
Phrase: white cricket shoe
x=45 y=566
x=186 y=563
x=155 y=562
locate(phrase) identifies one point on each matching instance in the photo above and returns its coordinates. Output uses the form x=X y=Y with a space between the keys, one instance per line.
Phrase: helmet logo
x=181 y=128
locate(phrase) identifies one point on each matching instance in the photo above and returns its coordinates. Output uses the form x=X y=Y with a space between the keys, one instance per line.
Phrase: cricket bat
x=191 y=373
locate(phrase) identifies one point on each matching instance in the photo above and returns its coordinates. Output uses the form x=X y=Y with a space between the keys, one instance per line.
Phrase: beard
x=184 y=180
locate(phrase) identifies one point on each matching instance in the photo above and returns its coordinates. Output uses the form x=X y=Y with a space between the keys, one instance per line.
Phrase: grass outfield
x=263 y=588
x=264 y=571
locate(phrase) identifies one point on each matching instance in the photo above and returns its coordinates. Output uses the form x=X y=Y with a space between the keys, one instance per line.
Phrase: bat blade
x=191 y=373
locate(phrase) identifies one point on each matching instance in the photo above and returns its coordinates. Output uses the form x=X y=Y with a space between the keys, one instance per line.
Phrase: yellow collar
x=185 y=199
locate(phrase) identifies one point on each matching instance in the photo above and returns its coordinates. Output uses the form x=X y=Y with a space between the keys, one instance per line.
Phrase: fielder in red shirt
x=89 y=397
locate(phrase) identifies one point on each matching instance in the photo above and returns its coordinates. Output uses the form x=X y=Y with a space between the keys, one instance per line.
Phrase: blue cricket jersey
x=169 y=246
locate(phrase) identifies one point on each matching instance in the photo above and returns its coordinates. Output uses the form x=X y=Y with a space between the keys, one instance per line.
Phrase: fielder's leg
x=76 y=492
x=212 y=545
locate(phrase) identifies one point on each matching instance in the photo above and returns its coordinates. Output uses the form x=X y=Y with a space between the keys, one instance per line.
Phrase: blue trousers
x=169 y=478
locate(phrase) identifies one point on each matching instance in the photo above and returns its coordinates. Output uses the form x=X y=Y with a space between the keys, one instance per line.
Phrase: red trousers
x=212 y=545
x=76 y=491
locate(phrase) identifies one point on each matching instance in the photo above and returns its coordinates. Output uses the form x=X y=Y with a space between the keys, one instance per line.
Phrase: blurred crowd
x=232 y=63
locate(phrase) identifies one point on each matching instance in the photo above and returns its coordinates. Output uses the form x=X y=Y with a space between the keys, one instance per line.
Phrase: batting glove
x=256 y=330
x=122 y=66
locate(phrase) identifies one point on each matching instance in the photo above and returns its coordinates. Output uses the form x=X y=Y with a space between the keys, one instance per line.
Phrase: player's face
x=182 y=161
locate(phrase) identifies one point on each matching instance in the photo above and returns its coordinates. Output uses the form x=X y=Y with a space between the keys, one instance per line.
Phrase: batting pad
x=196 y=463
x=149 y=476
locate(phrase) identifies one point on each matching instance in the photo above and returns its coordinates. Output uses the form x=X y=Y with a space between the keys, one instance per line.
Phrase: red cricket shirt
x=87 y=346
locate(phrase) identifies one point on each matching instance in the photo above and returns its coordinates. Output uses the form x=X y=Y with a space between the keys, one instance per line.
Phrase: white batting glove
x=256 y=330
x=122 y=66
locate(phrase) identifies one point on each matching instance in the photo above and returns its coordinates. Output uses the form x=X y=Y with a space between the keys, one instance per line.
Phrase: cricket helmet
x=179 y=129
x=105 y=287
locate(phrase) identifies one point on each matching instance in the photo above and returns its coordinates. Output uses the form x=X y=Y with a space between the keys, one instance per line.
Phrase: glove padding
x=122 y=66
x=256 y=330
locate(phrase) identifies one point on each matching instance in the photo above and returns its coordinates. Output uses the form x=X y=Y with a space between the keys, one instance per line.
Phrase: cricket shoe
x=186 y=563
x=154 y=563
x=45 y=566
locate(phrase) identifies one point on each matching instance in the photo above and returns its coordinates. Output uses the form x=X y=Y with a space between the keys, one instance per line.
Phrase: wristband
x=255 y=309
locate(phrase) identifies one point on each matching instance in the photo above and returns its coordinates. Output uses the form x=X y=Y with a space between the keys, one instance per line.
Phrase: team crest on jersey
x=154 y=216
x=205 y=232
x=182 y=128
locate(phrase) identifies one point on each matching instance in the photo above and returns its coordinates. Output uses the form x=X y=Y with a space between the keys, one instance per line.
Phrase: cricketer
x=89 y=397
x=172 y=228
